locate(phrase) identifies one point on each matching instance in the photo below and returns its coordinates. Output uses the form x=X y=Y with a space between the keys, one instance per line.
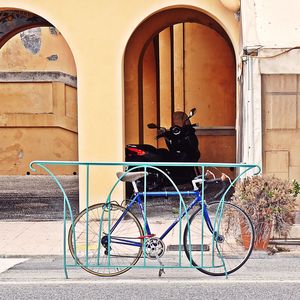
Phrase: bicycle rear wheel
x=235 y=242
x=93 y=251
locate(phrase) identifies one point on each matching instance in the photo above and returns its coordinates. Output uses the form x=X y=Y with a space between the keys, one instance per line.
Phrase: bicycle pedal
x=160 y=272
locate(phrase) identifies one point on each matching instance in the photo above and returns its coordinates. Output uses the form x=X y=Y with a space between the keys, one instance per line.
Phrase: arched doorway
x=38 y=116
x=38 y=111
x=177 y=59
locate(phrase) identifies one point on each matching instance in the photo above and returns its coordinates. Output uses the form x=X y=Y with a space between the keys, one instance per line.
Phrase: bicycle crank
x=154 y=248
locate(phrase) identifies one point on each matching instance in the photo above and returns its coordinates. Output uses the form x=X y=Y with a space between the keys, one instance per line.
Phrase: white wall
x=274 y=25
x=271 y=23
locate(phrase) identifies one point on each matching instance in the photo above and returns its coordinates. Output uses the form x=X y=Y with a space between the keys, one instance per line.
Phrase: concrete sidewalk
x=21 y=239
x=26 y=239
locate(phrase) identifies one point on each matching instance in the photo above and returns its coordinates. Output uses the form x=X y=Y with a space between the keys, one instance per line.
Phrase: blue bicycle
x=113 y=239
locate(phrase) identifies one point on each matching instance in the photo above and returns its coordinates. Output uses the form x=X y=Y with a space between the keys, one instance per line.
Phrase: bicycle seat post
x=135 y=187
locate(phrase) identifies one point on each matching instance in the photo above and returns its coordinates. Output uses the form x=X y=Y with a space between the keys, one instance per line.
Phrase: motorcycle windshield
x=180 y=119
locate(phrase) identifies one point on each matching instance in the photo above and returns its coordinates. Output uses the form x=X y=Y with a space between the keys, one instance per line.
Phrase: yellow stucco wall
x=38 y=116
x=97 y=32
x=14 y=57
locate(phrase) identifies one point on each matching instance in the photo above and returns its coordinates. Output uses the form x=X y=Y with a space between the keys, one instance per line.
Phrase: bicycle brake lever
x=224 y=177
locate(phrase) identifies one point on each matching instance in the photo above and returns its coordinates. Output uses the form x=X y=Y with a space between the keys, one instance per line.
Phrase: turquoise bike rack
x=46 y=166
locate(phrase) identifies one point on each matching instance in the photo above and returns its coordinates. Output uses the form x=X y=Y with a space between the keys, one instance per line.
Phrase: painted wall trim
x=39 y=77
x=216 y=131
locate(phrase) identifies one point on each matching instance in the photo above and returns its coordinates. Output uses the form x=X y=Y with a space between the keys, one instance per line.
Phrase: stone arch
x=13 y=21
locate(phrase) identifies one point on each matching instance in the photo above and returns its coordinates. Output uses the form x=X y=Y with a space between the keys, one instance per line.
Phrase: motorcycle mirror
x=192 y=112
x=152 y=126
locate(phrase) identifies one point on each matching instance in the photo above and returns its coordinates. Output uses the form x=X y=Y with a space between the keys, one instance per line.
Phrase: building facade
x=124 y=64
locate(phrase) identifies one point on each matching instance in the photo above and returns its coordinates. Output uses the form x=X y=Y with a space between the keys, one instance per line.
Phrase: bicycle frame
x=138 y=199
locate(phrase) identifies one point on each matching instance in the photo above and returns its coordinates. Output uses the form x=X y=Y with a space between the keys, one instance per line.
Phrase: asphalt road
x=263 y=277
x=36 y=198
x=153 y=290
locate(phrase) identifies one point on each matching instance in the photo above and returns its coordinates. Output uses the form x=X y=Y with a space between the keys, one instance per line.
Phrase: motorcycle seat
x=131 y=176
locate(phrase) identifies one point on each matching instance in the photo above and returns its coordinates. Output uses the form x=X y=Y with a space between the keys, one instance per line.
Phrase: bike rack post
x=45 y=165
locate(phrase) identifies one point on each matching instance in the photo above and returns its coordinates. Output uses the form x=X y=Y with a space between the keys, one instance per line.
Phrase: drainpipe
x=250 y=116
x=247 y=95
x=251 y=108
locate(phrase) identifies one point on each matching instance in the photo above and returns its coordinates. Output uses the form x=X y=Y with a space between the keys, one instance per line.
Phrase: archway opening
x=175 y=60
x=38 y=94
x=38 y=112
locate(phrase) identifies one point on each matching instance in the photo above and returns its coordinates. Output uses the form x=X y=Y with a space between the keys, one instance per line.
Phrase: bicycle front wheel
x=233 y=244
x=94 y=251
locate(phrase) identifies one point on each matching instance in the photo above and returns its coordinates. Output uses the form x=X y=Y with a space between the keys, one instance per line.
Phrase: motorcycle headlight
x=176 y=130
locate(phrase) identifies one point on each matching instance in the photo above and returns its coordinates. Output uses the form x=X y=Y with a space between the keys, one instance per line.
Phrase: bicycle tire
x=121 y=258
x=236 y=234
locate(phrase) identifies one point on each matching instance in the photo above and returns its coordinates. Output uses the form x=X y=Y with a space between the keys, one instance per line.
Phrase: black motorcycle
x=182 y=144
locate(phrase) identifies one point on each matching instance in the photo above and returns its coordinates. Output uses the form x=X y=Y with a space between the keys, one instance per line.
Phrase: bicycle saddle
x=131 y=176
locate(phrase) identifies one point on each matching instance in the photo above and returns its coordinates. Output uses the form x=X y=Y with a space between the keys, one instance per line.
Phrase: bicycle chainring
x=154 y=248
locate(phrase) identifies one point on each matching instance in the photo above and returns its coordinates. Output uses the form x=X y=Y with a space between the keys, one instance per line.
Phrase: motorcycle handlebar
x=160 y=135
x=199 y=179
x=174 y=130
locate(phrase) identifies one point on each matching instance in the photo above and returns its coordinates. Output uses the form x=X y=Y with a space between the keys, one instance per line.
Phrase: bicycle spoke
x=231 y=246
x=115 y=257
